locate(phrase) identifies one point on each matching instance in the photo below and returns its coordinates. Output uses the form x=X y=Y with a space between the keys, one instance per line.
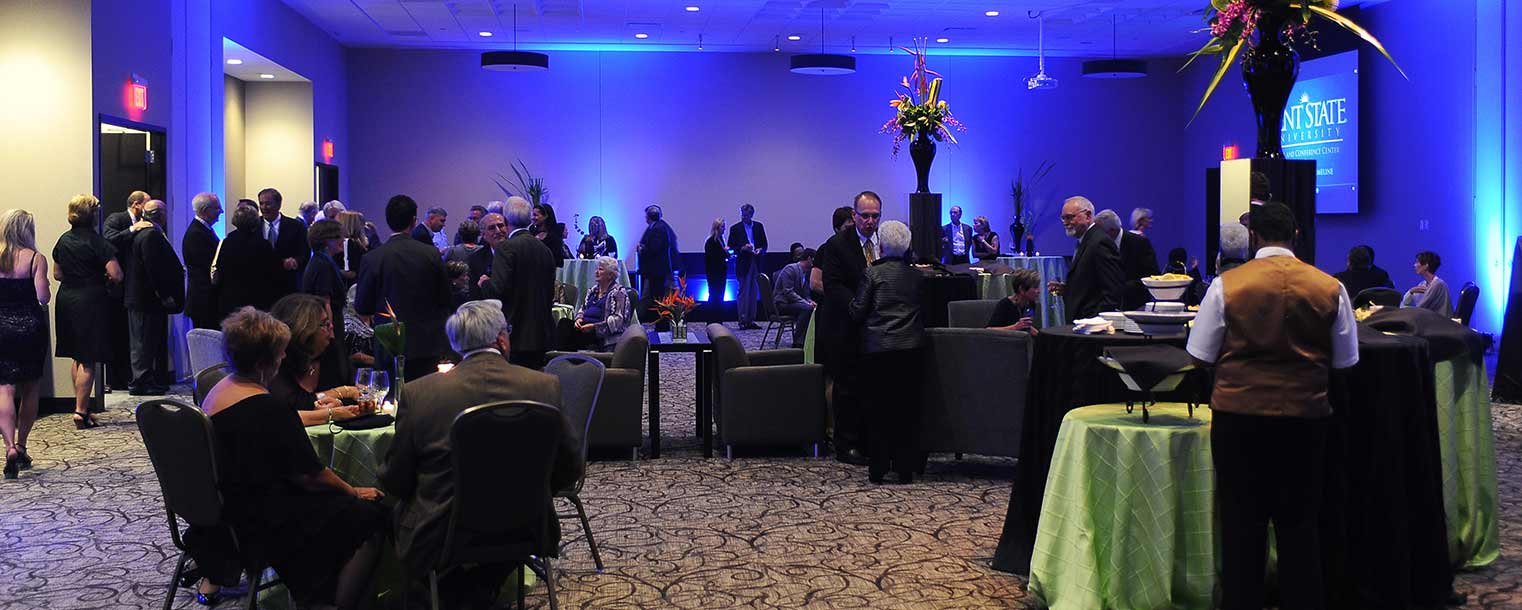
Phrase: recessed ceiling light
x=641 y=35
x=267 y=76
x=234 y=62
x=794 y=37
x=991 y=13
x=943 y=40
x=693 y=9
x=484 y=34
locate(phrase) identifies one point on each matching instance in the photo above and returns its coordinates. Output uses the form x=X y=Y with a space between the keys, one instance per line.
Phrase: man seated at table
x=1018 y=311
x=791 y=294
x=1273 y=328
x=418 y=471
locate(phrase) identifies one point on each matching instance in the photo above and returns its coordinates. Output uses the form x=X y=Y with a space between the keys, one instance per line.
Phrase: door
x=326 y=185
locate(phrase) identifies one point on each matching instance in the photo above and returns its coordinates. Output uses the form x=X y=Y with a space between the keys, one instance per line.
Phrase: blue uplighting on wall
x=699 y=288
x=1494 y=232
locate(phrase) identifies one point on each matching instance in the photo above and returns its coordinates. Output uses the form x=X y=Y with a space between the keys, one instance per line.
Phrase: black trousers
x=891 y=411
x=651 y=288
x=150 y=349
x=1268 y=469
x=119 y=367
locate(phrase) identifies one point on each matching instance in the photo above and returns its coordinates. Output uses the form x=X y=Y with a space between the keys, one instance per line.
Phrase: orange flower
x=677 y=304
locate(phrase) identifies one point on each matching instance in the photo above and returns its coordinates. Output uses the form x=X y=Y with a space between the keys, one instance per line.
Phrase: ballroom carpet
x=85 y=527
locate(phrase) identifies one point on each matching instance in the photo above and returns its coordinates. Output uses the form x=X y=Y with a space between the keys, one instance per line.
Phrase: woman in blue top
x=605 y=312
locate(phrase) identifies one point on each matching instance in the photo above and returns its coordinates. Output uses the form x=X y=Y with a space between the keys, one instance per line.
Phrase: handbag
x=366 y=422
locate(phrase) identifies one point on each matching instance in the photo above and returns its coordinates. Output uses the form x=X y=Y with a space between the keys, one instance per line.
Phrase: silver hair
x=1138 y=214
x=1108 y=221
x=494 y=207
x=331 y=209
x=1082 y=202
x=308 y=206
x=437 y=211
x=895 y=237
x=204 y=202
x=607 y=262
x=1234 y=241
x=519 y=212
x=475 y=325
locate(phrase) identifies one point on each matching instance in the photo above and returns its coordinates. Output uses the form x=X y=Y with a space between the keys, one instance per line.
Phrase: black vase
x=1017 y=231
x=1269 y=70
x=922 y=150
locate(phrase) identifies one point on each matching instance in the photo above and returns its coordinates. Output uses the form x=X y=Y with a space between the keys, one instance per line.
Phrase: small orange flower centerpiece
x=674 y=307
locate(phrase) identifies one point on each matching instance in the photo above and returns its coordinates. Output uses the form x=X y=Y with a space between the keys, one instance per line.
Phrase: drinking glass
x=362 y=378
x=380 y=383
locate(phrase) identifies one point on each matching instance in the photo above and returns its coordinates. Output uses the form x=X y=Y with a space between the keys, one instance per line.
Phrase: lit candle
x=445 y=366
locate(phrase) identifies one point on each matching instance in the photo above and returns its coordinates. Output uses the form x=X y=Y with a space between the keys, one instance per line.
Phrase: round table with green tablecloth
x=582 y=273
x=1467 y=443
x=354 y=455
x=1050 y=268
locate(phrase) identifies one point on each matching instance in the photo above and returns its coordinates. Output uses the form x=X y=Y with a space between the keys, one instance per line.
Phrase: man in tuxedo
x=408 y=277
x=956 y=239
x=657 y=257
x=431 y=230
x=199 y=245
x=289 y=238
x=842 y=262
x=155 y=289
x=418 y=470
x=493 y=232
x=1137 y=258
x=748 y=240
x=1096 y=279
x=119 y=228
x=523 y=277
x=477 y=213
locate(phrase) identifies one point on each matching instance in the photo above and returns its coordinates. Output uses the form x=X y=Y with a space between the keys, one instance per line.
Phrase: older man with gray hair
x=1141 y=220
x=418 y=471
x=431 y=230
x=1137 y=258
x=523 y=275
x=199 y=247
x=331 y=210
x=1234 y=248
x=1097 y=277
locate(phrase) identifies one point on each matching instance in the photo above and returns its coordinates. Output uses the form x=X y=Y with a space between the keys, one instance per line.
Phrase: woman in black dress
x=83 y=262
x=715 y=262
x=24 y=296
x=322 y=276
x=246 y=270
x=313 y=379
x=319 y=533
x=550 y=231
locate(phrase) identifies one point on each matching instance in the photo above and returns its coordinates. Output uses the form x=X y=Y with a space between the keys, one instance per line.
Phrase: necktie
x=269 y=232
x=869 y=250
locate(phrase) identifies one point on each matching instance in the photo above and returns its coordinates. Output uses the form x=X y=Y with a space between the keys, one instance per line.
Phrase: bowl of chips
x=1168 y=286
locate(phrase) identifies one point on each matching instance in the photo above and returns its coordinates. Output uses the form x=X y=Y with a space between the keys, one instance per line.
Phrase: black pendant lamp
x=515 y=60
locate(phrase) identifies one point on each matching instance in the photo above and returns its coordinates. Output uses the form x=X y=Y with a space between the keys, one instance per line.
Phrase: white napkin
x=1093 y=326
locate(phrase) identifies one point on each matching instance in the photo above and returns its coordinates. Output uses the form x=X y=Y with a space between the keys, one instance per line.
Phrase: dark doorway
x=132 y=158
x=327 y=183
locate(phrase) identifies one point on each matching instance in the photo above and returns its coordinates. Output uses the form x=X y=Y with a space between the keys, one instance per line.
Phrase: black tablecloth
x=942 y=288
x=1065 y=374
x=1383 y=531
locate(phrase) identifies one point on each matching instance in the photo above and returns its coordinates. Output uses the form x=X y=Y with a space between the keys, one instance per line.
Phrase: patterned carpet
x=85 y=527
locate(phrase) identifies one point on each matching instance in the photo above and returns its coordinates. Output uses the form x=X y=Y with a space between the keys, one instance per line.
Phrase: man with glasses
x=1096 y=277
x=493 y=231
x=842 y=262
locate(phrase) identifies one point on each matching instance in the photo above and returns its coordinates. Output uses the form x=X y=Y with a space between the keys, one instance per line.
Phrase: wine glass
x=362 y=378
x=380 y=383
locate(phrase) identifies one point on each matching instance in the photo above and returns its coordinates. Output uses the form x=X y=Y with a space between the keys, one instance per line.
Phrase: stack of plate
x=1121 y=322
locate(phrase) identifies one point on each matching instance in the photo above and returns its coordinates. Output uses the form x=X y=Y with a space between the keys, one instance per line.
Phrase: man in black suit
x=119 y=228
x=408 y=277
x=1137 y=258
x=748 y=240
x=431 y=230
x=289 y=238
x=523 y=277
x=842 y=261
x=477 y=213
x=1097 y=277
x=155 y=289
x=1361 y=273
x=418 y=472
x=657 y=257
x=199 y=245
x=493 y=233
x=956 y=239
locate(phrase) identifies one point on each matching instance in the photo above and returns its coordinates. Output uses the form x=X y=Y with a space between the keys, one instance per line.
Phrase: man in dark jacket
x=956 y=239
x=155 y=289
x=408 y=277
x=1096 y=278
x=119 y=228
x=1137 y=258
x=523 y=277
x=842 y=262
x=289 y=238
x=1361 y=273
x=747 y=239
x=657 y=258
x=493 y=233
x=199 y=245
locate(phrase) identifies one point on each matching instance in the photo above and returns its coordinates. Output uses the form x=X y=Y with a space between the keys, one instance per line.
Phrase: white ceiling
x=1143 y=28
x=254 y=65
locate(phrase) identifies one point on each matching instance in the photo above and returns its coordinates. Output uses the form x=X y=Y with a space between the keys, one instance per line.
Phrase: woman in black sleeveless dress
x=84 y=261
x=24 y=295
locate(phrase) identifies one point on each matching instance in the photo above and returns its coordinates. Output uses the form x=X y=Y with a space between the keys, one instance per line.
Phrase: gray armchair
x=618 y=422
x=765 y=397
x=970 y=314
x=974 y=391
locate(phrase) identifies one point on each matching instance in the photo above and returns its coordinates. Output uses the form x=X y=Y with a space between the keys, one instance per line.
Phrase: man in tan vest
x=1274 y=328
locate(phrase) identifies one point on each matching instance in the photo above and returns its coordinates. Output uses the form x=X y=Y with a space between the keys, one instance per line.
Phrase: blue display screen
x=1321 y=123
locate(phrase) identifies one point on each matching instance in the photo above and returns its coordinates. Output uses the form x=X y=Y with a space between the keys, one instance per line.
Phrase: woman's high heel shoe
x=12 y=467
x=85 y=421
x=23 y=460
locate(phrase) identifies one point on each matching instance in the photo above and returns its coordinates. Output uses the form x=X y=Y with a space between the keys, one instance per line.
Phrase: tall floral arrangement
x=1233 y=24
x=919 y=108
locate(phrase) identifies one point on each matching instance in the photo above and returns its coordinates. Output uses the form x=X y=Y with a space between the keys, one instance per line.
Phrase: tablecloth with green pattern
x=354 y=455
x=1050 y=268
x=561 y=311
x=1467 y=444
x=1128 y=518
x=582 y=273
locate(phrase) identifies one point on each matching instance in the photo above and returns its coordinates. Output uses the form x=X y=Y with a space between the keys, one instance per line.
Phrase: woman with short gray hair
x=605 y=312
x=887 y=305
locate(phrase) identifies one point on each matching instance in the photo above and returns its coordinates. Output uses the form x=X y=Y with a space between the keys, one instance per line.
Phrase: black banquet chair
x=502 y=515
x=182 y=448
x=1469 y=295
x=581 y=378
x=1376 y=296
x=208 y=378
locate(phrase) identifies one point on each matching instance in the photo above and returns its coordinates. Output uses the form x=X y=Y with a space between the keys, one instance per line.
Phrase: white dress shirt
x=1209 y=329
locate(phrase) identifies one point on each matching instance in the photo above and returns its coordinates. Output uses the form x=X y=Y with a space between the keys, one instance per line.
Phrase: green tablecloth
x=1467 y=444
x=1050 y=268
x=354 y=455
x=561 y=311
x=1128 y=519
x=808 y=342
x=582 y=274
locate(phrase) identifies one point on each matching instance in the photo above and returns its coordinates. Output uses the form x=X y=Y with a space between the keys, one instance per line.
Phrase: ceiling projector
x=1040 y=81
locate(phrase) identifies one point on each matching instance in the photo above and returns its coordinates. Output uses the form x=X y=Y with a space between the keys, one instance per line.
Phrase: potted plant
x=525 y=183
x=1025 y=217
x=674 y=307
x=921 y=116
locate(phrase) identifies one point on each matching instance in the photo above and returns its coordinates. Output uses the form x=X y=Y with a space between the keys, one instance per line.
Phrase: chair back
x=208 y=378
x=633 y=348
x=970 y=314
x=728 y=353
x=1468 y=297
x=205 y=347
x=581 y=379
x=570 y=295
x=503 y=454
x=182 y=448
x=768 y=308
x=1376 y=296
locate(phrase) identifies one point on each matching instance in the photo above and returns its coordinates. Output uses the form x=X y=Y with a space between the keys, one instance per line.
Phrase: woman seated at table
x=1018 y=312
x=310 y=367
x=319 y=533
x=604 y=313
x=985 y=242
x=597 y=241
x=1432 y=292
